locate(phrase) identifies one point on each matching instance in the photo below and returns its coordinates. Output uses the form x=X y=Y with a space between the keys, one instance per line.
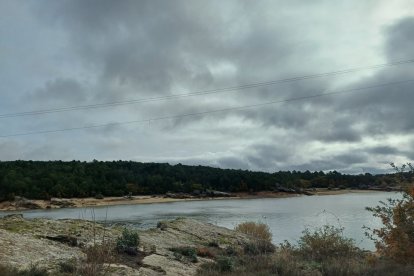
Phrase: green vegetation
x=189 y=252
x=43 y=180
x=395 y=239
x=128 y=242
x=321 y=252
x=326 y=242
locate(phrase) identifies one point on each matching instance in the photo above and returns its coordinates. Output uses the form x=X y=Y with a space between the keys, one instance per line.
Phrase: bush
x=186 y=251
x=68 y=266
x=128 y=242
x=213 y=244
x=97 y=256
x=326 y=242
x=225 y=264
x=162 y=225
x=257 y=230
x=259 y=247
x=204 y=252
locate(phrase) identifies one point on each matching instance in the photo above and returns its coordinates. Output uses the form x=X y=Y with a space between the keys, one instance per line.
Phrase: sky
x=71 y=53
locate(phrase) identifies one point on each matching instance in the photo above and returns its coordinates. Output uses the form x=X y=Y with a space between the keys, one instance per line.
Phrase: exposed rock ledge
x=39 y=241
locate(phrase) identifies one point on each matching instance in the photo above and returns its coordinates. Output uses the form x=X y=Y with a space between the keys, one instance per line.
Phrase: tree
x=395 y=239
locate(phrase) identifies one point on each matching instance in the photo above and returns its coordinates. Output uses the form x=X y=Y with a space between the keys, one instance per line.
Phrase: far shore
x=149 y=199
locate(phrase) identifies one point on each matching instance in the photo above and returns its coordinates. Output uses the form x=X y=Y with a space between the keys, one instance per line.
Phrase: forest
x=46 y=179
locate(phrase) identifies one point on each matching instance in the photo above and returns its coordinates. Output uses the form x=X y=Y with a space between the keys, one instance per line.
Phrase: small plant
x=97 y=256
x=162 y=225
x=68 y=266
x=225 y=264
x=128 y=242
x=189 y=252
x=204 y=252
x=231 y=251
x=257 y=230
x=213 y=244
x=259 y=247
x=33 y=270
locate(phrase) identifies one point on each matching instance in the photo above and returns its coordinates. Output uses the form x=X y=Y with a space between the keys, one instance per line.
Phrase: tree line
x=46 y=179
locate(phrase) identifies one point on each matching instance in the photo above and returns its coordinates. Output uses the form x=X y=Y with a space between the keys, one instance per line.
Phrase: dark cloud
x=400 y=40
x=101 y=51
x=384 y=150
x=67 y=91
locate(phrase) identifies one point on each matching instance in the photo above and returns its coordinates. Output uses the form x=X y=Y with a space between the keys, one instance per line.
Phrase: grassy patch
x=31 y=271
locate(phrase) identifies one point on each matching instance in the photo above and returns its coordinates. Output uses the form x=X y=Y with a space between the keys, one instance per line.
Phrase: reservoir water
x=286 y=217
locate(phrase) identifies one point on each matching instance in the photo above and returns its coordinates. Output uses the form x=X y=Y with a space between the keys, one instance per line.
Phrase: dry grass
x=31 y=271
x=205 y=252
x=255 y=229
x=98 y=258
x=323 y=252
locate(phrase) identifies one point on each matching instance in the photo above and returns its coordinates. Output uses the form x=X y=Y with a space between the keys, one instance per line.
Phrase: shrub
x=225 y=264
x=396 y=238
x=213 y=244
x=68 y=266
x=257 y=230
x=186 y=251
x=128 y=242
x=204 y=252
x=259 y=247
x=326 y=242
x=231 y=251
x=97 y=256
x=162 y=225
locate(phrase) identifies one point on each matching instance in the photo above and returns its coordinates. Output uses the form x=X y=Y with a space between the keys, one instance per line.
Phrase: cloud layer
x=71 y=53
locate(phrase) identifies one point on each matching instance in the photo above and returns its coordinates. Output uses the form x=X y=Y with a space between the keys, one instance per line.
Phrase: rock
x=24 y=250
x=25 y=203
x=21 y=246
x=13 y=216
x=63 y=203
x=214 y=193
x=69 y=240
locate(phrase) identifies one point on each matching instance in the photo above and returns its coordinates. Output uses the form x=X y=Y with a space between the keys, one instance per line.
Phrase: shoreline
x=39 y=204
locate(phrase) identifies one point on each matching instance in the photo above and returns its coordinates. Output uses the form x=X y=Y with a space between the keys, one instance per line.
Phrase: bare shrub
x=205 y=252
x=255 y=229
x=98 y=258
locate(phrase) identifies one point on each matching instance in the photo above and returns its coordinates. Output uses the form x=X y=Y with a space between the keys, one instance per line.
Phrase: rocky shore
x=52 y=244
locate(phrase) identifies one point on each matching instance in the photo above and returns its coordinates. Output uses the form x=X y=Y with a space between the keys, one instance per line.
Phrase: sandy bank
x=110 y=201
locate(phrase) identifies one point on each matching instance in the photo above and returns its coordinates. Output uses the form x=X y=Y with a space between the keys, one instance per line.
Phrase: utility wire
x=352 y=90
x=203 y=92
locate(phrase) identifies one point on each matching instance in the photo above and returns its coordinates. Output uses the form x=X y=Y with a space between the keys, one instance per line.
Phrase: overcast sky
x=70 y=53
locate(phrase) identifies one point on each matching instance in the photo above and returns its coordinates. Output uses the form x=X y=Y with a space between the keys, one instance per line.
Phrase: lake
x=286 y=217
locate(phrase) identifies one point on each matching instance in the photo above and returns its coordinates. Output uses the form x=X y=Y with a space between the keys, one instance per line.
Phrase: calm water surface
x=286 y=217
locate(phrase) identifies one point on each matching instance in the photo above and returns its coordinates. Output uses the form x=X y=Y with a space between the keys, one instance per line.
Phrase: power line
x=203 y=92
x=353 y=90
